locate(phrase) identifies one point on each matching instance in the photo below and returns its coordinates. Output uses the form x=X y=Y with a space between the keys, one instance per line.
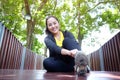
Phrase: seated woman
x=62 y=47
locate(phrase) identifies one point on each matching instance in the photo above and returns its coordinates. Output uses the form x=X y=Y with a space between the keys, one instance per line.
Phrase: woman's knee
x=67 y=40
x=46 y=62
x=70 y=44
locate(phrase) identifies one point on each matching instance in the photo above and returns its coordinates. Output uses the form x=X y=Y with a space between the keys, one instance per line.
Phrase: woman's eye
x=50 y=25
x=55 y=23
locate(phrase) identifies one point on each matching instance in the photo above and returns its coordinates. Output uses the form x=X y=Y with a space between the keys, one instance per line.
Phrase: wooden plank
x=12 y=74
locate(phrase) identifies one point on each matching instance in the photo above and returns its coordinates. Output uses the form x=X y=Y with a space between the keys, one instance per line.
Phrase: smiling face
x=53 y=25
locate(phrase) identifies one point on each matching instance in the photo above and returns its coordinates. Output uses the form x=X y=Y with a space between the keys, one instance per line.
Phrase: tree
x=79 y=16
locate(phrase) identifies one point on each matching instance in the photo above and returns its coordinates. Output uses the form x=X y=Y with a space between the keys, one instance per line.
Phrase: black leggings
x=66 y=63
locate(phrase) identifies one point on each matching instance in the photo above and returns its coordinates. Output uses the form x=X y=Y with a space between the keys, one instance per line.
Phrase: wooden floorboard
x=10 y=74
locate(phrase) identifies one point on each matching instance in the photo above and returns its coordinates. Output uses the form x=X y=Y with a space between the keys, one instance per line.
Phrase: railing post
x=35 y=61
x=2 y=28
x=89 y=64
x=101 y=59
x=23 y=58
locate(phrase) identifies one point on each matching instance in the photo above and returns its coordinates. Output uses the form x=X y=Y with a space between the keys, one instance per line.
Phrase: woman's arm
x=65 y=51
x=52 y=46
x=69 y=52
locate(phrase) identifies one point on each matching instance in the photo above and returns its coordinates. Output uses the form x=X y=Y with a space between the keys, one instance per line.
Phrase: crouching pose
x=62 y=48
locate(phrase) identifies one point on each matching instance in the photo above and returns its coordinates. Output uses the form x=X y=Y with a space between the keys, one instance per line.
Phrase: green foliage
x=37 y=46
x=113 y=19
x=12 y=14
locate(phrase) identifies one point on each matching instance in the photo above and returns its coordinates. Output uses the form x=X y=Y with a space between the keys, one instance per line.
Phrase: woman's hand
x=65 y=52
x=69 y=52
x=73 y=52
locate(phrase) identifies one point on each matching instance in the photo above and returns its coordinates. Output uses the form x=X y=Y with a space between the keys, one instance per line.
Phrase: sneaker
x=81 y=63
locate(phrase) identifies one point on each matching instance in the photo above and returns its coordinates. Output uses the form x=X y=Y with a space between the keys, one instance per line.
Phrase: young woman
x=62 y=47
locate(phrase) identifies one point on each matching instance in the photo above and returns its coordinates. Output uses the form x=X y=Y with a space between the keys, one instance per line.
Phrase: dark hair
x=47 y=31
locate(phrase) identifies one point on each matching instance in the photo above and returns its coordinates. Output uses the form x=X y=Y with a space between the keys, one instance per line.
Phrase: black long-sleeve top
x=51 y=43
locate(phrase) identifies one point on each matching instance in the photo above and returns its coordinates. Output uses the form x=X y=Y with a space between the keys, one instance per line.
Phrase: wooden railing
x=107 y=57
x=13 y=55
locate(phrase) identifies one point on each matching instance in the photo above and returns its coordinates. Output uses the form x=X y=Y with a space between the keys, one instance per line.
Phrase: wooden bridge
x=19 y=63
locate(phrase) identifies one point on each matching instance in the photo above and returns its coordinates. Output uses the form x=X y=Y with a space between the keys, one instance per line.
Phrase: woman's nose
x=53 y=25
